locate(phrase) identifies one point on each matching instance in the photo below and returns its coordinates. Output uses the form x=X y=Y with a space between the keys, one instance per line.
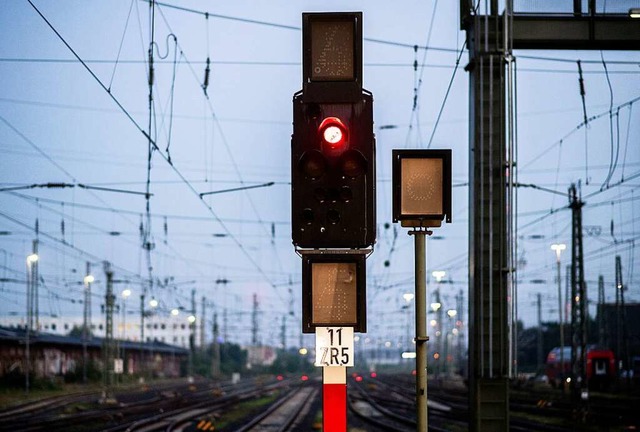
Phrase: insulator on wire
x=581 y=80
x=582 y=93
x=151 y=66
x=207 y=71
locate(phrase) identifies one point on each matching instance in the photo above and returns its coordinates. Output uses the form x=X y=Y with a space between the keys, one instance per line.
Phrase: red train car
x=601 y=366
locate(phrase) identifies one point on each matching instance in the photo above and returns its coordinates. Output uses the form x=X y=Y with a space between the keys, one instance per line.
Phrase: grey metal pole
x=539 y=338
x=561 y=325
x=124 y=336
x=28 y=328
x=421 y=327
x=85 y=324
x=36 y=288
x=143 y=365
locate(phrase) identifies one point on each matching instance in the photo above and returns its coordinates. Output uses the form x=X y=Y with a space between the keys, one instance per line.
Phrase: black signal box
x=333 y=174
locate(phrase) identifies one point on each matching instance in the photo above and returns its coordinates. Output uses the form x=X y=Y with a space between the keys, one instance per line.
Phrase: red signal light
x=333 y=132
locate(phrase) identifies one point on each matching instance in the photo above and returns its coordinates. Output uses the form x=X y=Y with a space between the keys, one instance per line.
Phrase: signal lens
x=307 y=216
x=333 y=216
x=346 y=194
x=333 y=132
x=333 y=135
x=313 y=164
x=353 y=163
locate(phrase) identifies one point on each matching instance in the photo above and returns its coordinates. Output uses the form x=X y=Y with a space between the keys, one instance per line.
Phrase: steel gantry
x=493 y=32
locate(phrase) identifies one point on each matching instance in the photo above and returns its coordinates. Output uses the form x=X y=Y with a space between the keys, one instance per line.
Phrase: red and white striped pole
x=334 y=399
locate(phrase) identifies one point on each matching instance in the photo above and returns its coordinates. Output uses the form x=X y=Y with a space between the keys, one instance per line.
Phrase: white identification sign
x=118 y=365
x=334 y=346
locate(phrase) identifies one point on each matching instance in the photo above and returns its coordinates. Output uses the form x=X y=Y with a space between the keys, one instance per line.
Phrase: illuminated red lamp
x=279 y=377
x=358 y=378
x=304 y=378
x=333 y=132
x=374 y=375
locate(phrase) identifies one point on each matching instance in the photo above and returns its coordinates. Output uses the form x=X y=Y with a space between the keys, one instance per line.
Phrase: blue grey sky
x=58 y=124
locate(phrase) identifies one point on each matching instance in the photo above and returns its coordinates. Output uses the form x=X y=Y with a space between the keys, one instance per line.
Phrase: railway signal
x=333 y=196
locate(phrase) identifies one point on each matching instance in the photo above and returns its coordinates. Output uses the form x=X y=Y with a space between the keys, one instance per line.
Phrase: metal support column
x=622 y=334
x=143 y=364
x=540 y=353
x=560 y=319
x=215 y=361
x=488 y=227
x=203 y=332
x=192 y=334
x=579 y=316
x=86 y=325
x=602 y=320
x=439 y=336
x=108 y=349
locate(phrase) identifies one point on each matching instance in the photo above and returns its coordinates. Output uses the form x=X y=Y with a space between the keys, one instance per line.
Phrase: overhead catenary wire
x=634 y=71
x=446 y=95
x=54 y=163
x=417 y=85
x=555 y=210
x=124 y=33
x=225 y=142
x=292 y=27
x=127 y=113
x=575 y=129
x=138 y=213
x=69 y=185
x=612 y=163
x=216 y=101
x=626 y=144
x=68 y=245
x=154 y=145
x=39 y=201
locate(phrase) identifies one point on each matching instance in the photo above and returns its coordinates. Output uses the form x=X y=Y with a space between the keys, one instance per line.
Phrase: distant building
x=170 y=330
x=53 y=355
x=260 y=356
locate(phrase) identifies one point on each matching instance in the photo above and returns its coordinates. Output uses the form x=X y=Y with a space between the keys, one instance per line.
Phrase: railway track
x=27 y=414
x=203 y=406
x=287 y=414
x=535 y=410
x=385 y=403
x=393 y=407
x=43 y=406
x=157 y=410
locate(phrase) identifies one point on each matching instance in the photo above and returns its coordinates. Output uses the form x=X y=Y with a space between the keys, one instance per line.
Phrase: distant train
x=601 y=366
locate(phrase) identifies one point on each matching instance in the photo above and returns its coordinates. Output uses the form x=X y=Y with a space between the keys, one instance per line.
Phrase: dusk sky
x=63 y=123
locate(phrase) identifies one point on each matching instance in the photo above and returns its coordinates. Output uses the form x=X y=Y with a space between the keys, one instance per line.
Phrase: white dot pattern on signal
x=420 y=186
x=334 y=298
